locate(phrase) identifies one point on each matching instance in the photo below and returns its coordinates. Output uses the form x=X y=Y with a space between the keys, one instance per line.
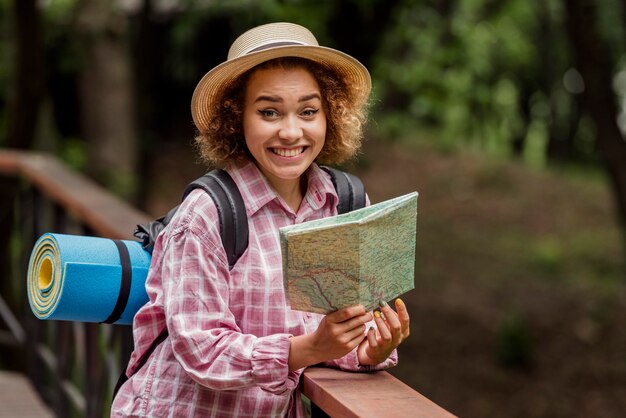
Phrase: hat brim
x=214 y=83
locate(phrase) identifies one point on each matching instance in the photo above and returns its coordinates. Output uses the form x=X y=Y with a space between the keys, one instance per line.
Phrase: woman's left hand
x=393 y=328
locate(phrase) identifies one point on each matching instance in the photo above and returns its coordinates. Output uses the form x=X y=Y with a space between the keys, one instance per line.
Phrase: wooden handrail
x=105 y=214
x=337 y=393
x=360 y=395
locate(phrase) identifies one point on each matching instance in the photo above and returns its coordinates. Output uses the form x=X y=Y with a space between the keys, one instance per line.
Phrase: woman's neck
x=291 y=191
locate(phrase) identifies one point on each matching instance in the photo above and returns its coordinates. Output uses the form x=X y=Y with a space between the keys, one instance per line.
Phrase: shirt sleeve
x=205 y=337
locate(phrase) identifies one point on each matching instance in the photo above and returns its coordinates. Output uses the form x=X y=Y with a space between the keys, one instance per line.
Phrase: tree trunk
x=107 y=96
x=359 y=30
x=28 y=89
x=593 y=61
x=148 y=63
x=29 y=75
x=518 y=141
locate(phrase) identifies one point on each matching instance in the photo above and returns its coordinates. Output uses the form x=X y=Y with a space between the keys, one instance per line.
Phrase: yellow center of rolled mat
x=45 y=274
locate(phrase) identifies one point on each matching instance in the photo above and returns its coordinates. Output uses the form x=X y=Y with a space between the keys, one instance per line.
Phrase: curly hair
x=224 y=142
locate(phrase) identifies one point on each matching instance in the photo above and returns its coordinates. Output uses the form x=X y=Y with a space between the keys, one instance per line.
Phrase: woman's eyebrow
x=274 y=99
x=278 y=99
x=309 y=97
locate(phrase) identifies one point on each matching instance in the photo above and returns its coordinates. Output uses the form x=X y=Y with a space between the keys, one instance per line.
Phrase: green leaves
x=484 y=75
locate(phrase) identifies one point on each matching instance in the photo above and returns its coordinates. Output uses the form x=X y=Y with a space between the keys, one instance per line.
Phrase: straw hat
x=264 y=43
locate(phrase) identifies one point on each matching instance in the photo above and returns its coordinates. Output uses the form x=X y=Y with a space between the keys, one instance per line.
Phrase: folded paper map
x=361 y=257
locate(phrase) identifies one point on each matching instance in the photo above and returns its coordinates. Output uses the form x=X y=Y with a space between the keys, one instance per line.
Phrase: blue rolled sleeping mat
x=87 y=279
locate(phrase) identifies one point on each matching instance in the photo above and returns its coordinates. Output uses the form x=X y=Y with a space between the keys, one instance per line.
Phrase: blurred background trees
x=109 y=82
x=540 y=85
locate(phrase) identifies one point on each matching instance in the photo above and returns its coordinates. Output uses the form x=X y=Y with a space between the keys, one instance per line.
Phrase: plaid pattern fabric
x=228 y=345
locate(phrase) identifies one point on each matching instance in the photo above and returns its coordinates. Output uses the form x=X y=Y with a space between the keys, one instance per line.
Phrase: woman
x=235 y=349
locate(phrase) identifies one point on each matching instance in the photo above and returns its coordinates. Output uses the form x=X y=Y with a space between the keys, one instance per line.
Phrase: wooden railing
x=75 y=365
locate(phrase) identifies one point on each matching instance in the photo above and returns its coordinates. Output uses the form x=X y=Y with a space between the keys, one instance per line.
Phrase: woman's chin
x=287 y=170
x=290 y=174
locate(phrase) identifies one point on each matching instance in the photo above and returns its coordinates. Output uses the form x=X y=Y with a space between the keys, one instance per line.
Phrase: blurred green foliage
x=74 y=153
x=461 y=72
x=547 y=254
x=492 y=76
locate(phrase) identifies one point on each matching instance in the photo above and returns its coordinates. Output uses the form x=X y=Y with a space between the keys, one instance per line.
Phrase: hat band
x=273 y=45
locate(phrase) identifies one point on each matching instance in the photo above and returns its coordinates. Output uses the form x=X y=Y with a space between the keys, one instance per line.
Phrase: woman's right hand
x=337 y=334
x=341 y=331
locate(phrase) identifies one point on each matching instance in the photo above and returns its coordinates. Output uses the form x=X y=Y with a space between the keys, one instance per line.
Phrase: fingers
x=371 y=338
x=334 y=340
x=392 y=329
x=391 y=317
x=346 y=313
x=347 y=326
x=360 y=336
x=391 y=325
x=350 y=318
x=403 y=315
x=383 y=329
x=350 y=333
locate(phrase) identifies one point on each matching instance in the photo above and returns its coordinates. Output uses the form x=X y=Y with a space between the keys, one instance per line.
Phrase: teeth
x=285 y=152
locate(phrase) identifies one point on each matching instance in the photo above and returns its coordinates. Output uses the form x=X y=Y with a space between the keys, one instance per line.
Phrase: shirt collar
x=320 y=188
x=258 y=192
x=254 y=187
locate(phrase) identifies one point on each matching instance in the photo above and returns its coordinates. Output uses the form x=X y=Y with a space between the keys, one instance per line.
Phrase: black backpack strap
x=230 y=208
x=350 y=190
x=231 y=211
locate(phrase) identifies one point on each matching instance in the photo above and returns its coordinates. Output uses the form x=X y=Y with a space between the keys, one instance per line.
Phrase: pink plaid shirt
x=228 y=345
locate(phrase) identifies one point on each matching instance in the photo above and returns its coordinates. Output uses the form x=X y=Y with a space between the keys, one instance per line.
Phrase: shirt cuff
x=270 y=364
x=350 y=362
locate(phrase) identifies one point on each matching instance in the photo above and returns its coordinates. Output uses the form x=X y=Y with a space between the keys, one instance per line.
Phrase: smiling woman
x=284 y=127
x=221 y=140
x=278 y=106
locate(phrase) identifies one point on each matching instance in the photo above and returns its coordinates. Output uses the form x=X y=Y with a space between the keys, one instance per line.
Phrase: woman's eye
x=268 y=113
x=309 y=112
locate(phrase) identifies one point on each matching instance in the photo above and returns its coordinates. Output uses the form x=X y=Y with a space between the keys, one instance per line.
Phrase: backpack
x=233 y=223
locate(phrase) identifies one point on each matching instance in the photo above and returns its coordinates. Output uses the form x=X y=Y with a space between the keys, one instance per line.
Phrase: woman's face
x=283 y=122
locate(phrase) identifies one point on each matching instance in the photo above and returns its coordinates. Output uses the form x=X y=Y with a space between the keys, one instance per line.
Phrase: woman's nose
x=290 y=129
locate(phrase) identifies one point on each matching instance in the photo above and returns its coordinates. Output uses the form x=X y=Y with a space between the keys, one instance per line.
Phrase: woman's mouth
x=288 y=152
